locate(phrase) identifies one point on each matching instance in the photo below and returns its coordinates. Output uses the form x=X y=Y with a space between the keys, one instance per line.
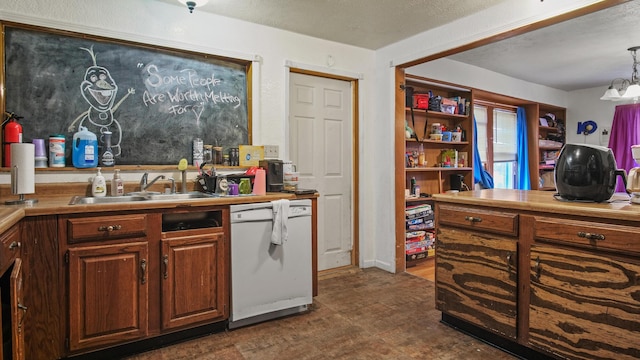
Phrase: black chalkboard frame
x=226 y=125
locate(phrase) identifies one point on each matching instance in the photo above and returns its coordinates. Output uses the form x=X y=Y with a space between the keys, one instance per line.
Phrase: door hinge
x=66 y=257
x=66 y=343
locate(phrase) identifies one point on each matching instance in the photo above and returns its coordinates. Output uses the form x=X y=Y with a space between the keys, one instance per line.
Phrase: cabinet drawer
x=9 y=247
x=587 y=234
x=106 y=227
x=477 y=218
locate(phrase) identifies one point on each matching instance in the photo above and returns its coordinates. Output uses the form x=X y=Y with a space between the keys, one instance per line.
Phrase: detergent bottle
x=85 y=149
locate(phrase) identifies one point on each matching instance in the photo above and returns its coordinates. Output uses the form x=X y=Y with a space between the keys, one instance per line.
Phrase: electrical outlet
x=271 y=151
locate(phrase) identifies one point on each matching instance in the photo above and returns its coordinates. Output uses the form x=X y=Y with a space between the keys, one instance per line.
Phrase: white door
x=320 y=144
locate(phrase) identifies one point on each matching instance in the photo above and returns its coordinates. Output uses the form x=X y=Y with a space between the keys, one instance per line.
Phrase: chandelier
x=629 y=89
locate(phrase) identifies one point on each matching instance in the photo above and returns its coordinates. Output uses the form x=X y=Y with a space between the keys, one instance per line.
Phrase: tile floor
x=358 y=314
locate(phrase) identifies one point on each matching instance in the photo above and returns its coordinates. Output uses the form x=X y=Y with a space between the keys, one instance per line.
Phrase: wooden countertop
x=54 y=205
x=617 y=208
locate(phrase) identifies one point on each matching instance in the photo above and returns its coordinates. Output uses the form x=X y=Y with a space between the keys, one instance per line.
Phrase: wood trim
x=517 y=31
x=400 y=176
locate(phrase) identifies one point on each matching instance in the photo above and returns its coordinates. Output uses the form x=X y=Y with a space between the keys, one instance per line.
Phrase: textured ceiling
x=370 y=24
x=581 y=53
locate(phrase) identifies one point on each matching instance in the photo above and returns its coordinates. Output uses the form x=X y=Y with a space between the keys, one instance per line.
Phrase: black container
x=455 y=180
x=586 y=173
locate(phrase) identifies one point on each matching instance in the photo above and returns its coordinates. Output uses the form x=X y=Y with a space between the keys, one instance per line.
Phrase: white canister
x=56 y=150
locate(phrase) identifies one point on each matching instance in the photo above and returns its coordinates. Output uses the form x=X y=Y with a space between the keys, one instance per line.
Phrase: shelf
x=549 y=147
x=437 y=169
x=438 y=114
x=546 y=167
x=416 y=199
x=434 y=142
x=548 y=128
x=547 y=188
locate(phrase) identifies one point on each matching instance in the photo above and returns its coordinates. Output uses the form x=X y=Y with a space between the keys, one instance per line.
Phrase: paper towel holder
x=14 y=190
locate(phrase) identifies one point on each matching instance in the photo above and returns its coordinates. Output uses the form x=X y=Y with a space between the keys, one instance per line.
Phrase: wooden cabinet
x=108 y=280
x=132 y=276
x=476 y=267
x=548 y=277
x=435 y=176
x=11 y=296
x=584 y=301
x=193 y=277
x=550 y=139
x=108 y=294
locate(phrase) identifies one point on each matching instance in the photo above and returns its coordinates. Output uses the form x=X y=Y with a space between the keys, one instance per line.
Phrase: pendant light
x=191 y=4
x=629 y=89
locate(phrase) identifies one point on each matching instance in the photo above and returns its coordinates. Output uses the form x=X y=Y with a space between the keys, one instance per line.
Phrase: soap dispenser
x=99 y=186
x=117 y=186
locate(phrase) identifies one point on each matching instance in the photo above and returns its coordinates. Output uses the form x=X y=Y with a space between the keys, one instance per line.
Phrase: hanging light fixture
x=191 y=4
x=629 y=89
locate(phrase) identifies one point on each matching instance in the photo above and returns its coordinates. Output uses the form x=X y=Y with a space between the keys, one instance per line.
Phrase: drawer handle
x=14 y=245
x=590 y=236
x=143 y=267
x=165 y=261
x=509 y=256
x=537 y=268
x=473 y=219
x=110 y=228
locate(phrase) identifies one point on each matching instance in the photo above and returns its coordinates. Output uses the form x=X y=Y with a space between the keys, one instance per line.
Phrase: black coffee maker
x=275 y=174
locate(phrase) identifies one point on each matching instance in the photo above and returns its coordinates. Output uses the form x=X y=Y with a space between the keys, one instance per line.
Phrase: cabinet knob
x=473 y=219
x=14 y=245
x=590 y=236
x=109 y=228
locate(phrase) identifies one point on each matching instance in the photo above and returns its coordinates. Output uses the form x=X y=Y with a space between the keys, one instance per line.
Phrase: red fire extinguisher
x=11 y=133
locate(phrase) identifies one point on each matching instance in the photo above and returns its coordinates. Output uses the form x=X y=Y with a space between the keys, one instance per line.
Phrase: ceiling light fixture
x=191 y=4
x=629 y=89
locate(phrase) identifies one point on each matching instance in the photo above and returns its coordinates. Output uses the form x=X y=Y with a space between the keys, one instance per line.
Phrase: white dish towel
x=280 y=216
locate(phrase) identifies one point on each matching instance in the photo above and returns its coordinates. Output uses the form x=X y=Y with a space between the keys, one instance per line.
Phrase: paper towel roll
x=23 y=171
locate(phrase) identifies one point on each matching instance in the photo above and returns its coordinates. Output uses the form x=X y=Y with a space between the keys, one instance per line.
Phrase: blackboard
x=154 y=100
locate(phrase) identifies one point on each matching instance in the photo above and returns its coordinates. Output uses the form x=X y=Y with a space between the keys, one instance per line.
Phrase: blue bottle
x=85 y=149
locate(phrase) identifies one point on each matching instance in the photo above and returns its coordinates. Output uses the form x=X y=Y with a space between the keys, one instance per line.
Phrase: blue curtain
x=523 y=180
x=480 y=175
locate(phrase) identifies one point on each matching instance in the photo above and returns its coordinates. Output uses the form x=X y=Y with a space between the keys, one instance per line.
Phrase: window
x=497 y=142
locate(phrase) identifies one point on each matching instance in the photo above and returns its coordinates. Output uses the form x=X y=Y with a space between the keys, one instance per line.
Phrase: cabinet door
x=193 y=279
x=584 y=305
x=108 y=294
x=17 y=311
x=476 y=278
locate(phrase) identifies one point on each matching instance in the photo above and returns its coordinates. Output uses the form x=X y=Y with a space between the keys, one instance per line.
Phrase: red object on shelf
x=11 y=133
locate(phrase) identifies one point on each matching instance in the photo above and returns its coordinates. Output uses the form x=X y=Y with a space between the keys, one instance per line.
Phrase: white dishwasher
x=267 y=280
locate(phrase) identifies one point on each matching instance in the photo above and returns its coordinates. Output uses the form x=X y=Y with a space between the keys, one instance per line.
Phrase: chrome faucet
x=173 y=185
x=143 y=182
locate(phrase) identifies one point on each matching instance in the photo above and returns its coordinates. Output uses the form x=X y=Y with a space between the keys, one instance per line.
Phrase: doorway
x=322 y=139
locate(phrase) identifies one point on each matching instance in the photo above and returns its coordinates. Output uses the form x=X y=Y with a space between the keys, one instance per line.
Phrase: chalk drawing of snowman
x=99 y=90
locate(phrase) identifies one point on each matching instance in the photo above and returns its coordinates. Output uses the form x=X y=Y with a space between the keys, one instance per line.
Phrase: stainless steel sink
x=77 y=200
x=180 y=196
x=140 y=196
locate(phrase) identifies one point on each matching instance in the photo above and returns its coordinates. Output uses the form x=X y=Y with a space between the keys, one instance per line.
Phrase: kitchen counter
x=539 y=276
x=49 y=205
x=617 y=208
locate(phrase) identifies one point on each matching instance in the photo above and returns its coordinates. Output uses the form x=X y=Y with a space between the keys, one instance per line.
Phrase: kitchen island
x=171 y=280
x=538 y=276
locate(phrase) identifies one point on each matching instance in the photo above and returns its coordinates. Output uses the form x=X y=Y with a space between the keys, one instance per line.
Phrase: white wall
x=164 y=24
x=156 y=22
x=584 y=105
x=508 y=15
